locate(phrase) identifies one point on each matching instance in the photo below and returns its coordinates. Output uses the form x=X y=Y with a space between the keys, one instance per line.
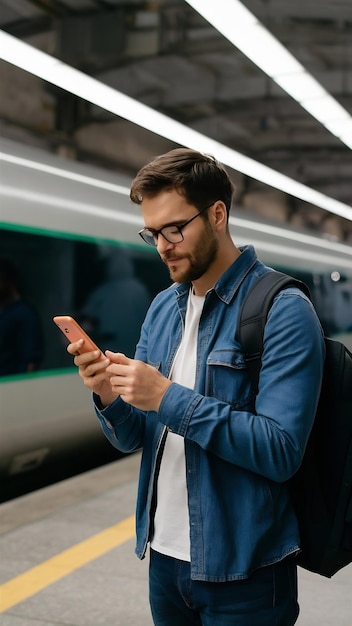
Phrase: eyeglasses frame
x=156 y=233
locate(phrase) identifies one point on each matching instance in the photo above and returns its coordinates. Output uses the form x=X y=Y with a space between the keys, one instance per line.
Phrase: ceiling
x=165 y=55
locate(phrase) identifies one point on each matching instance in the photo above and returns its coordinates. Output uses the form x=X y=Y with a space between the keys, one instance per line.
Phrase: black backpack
x=321 y=490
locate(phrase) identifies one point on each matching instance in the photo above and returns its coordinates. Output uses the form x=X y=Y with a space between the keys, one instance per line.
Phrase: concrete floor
x=112 y=589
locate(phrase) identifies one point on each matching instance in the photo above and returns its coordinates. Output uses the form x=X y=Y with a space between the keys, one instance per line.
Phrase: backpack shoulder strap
x=254 y=312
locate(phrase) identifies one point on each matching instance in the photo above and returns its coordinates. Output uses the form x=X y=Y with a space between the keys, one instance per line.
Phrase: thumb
x=117 y=357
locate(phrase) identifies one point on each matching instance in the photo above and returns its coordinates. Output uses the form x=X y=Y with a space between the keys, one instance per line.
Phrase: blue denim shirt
x=240 y=449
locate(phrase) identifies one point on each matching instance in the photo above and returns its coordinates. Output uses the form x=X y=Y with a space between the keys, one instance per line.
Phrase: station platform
x=67 y=557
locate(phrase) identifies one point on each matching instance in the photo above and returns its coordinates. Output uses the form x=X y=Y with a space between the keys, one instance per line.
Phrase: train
x=71 y=232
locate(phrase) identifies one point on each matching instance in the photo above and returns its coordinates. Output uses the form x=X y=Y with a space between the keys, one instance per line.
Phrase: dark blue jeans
x=267 y=598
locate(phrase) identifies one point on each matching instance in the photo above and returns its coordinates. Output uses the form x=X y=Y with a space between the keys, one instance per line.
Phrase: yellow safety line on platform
x=37 y=578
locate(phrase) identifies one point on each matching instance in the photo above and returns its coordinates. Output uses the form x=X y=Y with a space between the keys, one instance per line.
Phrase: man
x=212 y=500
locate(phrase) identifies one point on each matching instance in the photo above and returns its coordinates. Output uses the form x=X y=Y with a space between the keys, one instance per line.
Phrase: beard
x=199 y=259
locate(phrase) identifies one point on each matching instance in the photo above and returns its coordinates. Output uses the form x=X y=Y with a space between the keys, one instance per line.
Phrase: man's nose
x=163 y=244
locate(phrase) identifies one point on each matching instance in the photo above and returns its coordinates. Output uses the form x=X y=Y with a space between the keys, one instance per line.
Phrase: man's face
x=190 y=259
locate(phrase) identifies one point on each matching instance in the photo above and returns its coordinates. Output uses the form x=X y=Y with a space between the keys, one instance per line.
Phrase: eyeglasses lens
x=148 y=237
x=172 y=234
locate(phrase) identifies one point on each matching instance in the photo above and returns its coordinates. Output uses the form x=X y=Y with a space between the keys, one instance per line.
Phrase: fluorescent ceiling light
x=337 y=126
x=54 y=71
x=233 y=20
x=302 y=82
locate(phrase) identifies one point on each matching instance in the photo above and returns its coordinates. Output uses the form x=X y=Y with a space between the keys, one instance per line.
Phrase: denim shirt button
x=169 y=429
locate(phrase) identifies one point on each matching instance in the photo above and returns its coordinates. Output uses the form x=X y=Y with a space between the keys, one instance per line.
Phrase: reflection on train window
x=113 y=311
x=106 y=287
x=331 y=294
x=21 y=338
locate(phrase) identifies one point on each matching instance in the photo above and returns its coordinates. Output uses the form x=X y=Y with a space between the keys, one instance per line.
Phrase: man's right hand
x=92 y=370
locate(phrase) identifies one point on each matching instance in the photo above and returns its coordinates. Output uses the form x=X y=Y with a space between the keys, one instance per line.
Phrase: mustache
x=169 y=255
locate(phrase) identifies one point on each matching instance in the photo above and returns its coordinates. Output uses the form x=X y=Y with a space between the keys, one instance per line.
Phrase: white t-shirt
x=171 y=522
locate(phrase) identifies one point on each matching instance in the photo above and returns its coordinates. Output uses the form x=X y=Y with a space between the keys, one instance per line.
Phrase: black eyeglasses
x=172 y=234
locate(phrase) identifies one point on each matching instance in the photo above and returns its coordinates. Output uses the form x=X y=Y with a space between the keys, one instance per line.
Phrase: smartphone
x=73 y=332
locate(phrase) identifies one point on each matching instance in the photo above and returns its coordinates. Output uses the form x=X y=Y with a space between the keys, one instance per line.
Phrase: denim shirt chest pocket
x=227 y=378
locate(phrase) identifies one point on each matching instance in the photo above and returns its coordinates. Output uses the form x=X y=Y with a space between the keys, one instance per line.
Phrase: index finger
x=75 y=347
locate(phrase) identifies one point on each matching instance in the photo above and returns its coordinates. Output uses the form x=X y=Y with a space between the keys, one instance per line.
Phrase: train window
x=332 y=297
x=107 y=287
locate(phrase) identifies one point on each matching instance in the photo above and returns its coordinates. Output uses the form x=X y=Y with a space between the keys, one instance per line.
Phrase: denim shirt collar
x=230 y=281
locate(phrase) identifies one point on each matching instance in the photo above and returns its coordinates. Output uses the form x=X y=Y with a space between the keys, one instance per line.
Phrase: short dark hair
x=199 y=177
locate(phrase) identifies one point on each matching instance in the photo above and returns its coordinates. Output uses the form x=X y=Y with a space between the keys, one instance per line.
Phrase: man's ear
x=219 y=215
